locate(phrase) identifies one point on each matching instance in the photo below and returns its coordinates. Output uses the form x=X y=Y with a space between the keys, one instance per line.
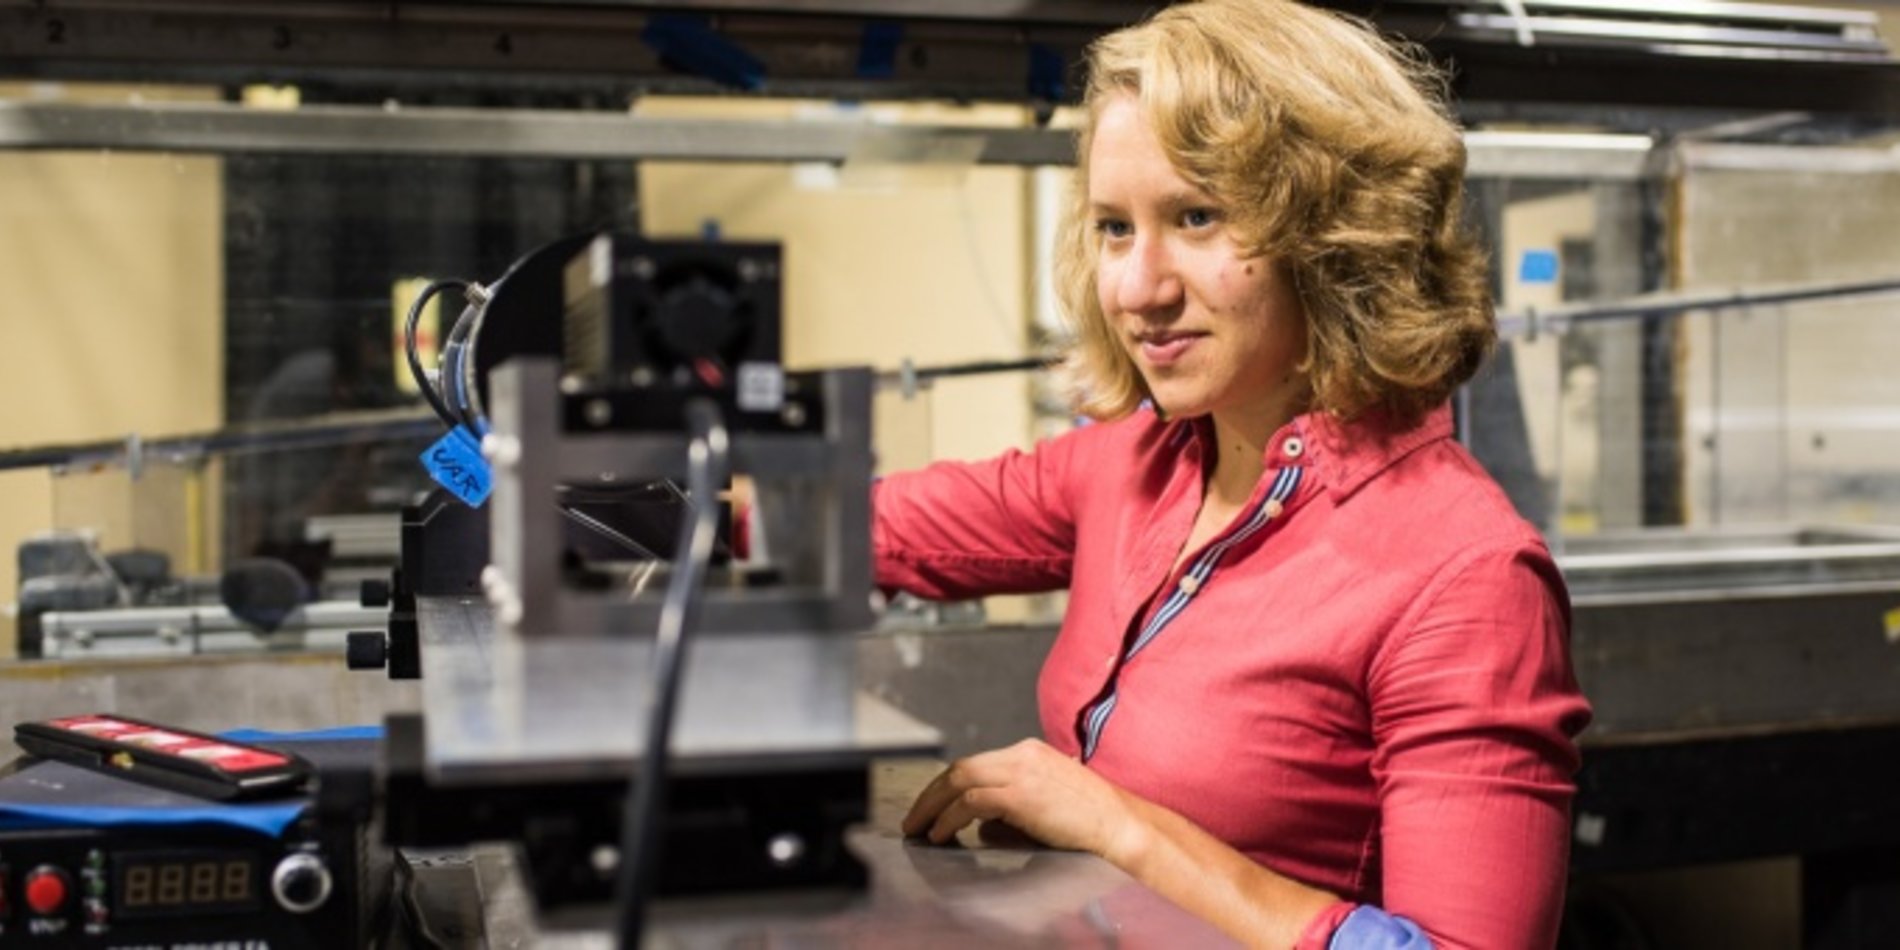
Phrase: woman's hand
x=1032 y=787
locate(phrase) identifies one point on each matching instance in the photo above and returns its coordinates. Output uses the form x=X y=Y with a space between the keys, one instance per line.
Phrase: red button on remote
x=46 y=890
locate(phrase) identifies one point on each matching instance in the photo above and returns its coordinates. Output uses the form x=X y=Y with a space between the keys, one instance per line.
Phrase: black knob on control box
x=301 y=883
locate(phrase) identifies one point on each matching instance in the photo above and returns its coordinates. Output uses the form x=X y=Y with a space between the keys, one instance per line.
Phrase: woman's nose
x=1148 y=280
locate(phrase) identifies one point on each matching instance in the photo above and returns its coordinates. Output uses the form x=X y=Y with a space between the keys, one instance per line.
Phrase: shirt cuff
x=1349 y=926
x=1369 y=928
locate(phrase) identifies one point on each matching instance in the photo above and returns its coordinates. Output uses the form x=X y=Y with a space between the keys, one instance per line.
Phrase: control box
x=86 y=887
x=88 y=860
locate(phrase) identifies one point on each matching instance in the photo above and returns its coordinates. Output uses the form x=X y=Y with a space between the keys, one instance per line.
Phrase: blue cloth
x=1369 y=928
x=115 y=803
x=314 y=735
x=265 y=818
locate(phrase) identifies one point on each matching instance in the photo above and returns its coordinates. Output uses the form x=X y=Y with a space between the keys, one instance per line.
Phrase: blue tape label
x=455 y=462
x=1537 y=267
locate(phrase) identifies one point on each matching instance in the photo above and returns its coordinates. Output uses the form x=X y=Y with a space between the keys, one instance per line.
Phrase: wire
x=467 y=408
x=707 y=456
x=409 y=347
x=606 y=530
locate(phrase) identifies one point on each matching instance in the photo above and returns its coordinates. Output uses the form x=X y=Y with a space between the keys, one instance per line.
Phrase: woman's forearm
x=1203 y=875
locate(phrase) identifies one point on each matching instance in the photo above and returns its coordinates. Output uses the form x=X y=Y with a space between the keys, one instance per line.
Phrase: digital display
x=162 y=883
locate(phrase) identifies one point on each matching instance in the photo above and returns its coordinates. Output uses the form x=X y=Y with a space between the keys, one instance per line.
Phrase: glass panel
x=1555 y=416
x=255 y=295
x=1790 y=408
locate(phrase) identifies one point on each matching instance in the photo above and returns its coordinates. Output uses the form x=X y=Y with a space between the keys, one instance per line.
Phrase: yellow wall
x=111 y=309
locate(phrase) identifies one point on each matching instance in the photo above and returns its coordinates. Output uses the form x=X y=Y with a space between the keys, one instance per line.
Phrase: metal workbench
x=921 y=897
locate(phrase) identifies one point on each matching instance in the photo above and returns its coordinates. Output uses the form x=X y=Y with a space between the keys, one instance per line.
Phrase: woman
x=1313 y=682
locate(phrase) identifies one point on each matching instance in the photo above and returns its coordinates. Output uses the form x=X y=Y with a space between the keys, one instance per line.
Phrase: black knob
x=366 y=650
x=301 y=883
x=373 y=593
x=699 y=319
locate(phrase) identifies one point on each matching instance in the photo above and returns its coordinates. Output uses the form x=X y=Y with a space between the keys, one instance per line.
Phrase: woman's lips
x=1162 y=352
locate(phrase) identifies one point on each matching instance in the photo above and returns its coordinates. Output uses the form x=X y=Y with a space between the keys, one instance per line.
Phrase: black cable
x=459 y=337
x=607 y=531
x=409 y=347
x=707 y=456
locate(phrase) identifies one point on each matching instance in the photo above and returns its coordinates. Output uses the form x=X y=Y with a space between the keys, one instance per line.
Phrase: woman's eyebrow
x=1180 y=200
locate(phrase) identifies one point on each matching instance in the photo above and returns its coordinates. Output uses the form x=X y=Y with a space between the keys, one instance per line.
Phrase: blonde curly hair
x=1331 y=152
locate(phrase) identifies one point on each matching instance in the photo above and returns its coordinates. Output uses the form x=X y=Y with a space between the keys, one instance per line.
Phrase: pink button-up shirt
x=1363 y=683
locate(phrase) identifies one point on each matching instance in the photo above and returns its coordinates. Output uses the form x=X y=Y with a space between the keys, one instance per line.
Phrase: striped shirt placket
x=1191 y=583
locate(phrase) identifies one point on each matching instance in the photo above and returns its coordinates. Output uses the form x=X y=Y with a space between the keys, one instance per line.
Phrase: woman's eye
x=1111 y=228
x=1199 y=217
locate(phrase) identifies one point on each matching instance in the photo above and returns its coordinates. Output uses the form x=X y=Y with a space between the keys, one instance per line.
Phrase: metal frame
x=972 y=52
x=1691 y=54
x=1710 y=156
x=1845 y=45
x=513 y=133
x=522 y=133
x=545 y=679
x=180 y=631
x=1721 y=10
x=1558 y=155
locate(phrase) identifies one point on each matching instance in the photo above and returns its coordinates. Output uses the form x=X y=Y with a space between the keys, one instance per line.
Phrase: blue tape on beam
x=877 y=50
x=689 y=44
x=1045 y=72
x=1537 y=267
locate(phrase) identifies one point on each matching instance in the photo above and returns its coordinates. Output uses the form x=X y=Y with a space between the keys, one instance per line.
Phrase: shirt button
x=1189 y=585
x=1274 y=507
x=1293 y=447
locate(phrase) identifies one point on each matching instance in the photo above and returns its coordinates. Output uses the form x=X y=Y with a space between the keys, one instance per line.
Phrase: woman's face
x=1212 y=331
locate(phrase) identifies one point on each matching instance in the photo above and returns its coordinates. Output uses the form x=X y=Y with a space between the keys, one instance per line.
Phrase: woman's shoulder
x=1423 y=485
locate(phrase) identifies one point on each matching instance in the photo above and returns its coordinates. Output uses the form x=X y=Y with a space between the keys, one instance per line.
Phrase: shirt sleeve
x=1475 y=711
x=970 y=529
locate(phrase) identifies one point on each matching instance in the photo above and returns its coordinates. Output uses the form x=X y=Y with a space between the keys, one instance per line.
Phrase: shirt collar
x=1348 y=454
x=1344 y=454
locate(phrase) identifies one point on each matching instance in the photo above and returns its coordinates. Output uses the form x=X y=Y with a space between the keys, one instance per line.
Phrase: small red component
x=46 y=890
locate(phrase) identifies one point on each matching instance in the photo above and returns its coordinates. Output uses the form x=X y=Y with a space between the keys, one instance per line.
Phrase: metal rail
x=1555 y=320
x=1558 y=319
x=513 y=133
x=225 y=128
x=314 y=432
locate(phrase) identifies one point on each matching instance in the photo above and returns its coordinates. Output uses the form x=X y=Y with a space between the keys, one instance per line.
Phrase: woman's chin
x=1178 y=406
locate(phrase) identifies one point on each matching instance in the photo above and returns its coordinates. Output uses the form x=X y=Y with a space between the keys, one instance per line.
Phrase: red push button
x=46 y=890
